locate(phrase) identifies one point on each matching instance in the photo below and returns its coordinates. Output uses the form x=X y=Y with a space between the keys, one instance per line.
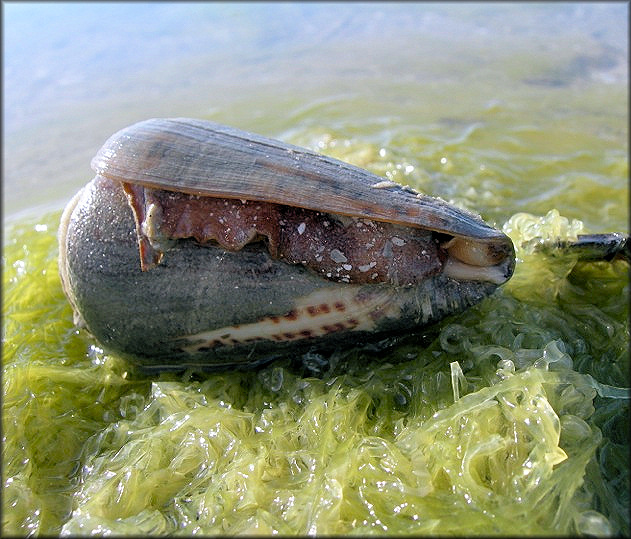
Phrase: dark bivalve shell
x=201 y=246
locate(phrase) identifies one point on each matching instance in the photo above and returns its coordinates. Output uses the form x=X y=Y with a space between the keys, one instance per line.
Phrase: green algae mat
x=511 y=418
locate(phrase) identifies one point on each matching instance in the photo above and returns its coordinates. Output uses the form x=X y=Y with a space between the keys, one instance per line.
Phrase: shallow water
x=500 y=108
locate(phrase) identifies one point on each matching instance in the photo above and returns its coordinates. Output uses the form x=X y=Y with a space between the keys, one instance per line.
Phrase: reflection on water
x=75 y=73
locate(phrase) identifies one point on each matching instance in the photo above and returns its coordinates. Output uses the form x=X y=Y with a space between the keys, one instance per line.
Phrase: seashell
x=202 y=246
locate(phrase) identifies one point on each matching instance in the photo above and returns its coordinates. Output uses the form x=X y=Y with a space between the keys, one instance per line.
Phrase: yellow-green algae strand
x=508 y=419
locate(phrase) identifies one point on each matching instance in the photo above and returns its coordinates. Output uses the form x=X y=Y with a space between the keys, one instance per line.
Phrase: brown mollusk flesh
x=339 y=248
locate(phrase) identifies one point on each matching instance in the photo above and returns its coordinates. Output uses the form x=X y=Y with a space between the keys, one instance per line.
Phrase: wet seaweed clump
x=510 y=419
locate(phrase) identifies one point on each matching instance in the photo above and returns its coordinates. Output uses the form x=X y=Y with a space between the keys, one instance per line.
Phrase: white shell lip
x=498 y=274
